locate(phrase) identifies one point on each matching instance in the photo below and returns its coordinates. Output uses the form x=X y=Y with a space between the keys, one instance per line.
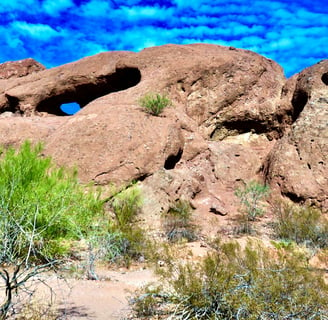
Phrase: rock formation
x=298 y=164
x=21 y=68
x=231 y=107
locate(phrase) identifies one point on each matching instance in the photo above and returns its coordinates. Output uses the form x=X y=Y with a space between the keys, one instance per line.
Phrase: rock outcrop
x=231 y=107
x=298 y=164
x=21 y=68
x=81 y=82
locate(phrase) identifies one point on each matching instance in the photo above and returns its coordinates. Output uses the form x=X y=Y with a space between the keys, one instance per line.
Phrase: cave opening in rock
x=299 y=100
x=172 y=160
x=324 y=78
x=82 y=94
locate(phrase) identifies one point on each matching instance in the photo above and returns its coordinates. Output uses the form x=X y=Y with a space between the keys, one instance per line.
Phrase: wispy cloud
x=38 y=31
x=55 y=7
x=59 y=31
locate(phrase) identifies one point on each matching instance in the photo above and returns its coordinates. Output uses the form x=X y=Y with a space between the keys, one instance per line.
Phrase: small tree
x=41 y=206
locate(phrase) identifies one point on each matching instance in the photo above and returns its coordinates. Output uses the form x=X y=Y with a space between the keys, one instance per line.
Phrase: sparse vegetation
x=154 y=103
x=177 y=222
x=124 y=239
x=302 y=224
x=251 y=199
x=239 y=283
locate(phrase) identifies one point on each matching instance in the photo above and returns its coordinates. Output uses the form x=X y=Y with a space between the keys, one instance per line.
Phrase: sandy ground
x=99 y=299
x=77 y=299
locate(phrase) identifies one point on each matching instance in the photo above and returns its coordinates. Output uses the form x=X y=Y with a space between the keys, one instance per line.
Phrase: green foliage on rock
x=154 y=103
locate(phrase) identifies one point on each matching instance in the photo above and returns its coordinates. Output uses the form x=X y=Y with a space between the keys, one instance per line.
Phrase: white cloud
x=55 y=7
x=37 y=31
x=96 y=8
x=18 y=5
x=288 y=32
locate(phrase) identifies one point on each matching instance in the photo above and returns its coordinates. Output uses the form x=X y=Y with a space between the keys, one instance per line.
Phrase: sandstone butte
x=234 y=118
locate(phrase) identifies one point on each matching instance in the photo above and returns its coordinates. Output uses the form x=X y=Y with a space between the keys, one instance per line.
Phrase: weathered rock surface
x=21 y=68
x=223 y=90
x=81 y=82
x=230 y=106
x=117 y=146
x=298 y=164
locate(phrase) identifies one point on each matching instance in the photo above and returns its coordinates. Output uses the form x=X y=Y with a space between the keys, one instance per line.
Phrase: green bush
x=41 y=206
x=154 y=103
x=302 y=224
x=251 y=198
x=177 y=222
x=124 y=239
x=235 y=283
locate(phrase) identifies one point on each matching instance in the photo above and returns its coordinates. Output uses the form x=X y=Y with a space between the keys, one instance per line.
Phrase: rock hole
x=82 y=94
x=309 y=166
x=172 y=160
x=299 y=100
x=70 y=108
x=324 y=78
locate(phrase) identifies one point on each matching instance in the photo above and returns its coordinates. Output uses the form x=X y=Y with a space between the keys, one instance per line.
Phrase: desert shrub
x=41 y=202
x=302 y=224
x=243 y=283
x=251 y=198
x=124 y=239
x=36 y=310
x=177 y=222
x=147 y=301
x=154 y=103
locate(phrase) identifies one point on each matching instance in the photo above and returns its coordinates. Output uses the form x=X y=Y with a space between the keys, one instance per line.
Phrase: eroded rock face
x=81 y=82
x=223 y=90
x=298 y=164
x=229 y=108
x=21 y=68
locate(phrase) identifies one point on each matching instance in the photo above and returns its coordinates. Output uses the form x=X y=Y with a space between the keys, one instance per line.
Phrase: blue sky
x=54 y=32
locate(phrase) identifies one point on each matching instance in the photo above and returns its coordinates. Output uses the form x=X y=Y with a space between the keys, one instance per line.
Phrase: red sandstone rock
x=116 y=146
x=21 y=68
x=298 y=164
x=229 y=106
x=81 y=82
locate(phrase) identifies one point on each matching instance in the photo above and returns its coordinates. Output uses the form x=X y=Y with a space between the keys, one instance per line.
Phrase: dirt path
x=101 y=300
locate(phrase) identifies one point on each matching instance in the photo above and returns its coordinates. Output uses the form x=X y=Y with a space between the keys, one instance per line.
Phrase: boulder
x=21 y=68
x=223 y=90
x=298 y=164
